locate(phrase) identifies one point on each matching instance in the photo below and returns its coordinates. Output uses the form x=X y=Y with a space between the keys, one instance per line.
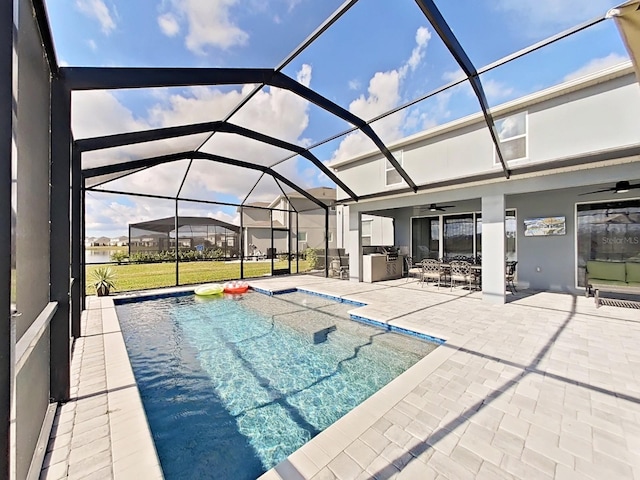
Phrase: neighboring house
x=304 y=229
x=121 y=241
x=570 y=150
x=100 y=242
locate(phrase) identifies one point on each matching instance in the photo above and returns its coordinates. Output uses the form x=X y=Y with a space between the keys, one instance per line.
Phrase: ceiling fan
x=621 y=187
x=434 y=208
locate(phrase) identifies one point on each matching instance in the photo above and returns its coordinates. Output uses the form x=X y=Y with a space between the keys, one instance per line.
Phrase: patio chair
x=412 y=270
x=431 y=270
x=510 y=275
x=460 y=272
x=344 y=267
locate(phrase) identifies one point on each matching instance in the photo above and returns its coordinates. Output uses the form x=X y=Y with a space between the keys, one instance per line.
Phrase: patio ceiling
x=238 y=127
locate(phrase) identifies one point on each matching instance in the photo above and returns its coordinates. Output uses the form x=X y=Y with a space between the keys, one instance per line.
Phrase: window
x=512 y=132
x=391 y=175
x=366 y=232
x=607 y=231
x=458 y=235
x=330 y=236
x=461 y=236
x=425 y=238
x=302 y=236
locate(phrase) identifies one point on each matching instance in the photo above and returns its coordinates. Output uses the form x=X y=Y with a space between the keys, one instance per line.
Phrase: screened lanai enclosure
x=203 y=137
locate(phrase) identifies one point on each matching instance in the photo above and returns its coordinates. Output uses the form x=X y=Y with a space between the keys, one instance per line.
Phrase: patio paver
x=546 y=386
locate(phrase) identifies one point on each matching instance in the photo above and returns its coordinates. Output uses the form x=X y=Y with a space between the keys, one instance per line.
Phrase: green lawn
x=154 y=275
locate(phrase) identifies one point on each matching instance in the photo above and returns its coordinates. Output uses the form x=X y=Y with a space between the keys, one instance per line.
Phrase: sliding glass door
x=425 y=238
x=461 y=236
x=607 y=231
x=458 y=236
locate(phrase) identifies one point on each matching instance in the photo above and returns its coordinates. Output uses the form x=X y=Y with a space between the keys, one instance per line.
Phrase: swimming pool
x=231 y=386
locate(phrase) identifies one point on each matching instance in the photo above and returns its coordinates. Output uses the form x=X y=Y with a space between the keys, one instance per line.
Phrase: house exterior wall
x=382 y=228
x=254 y=215
x=313 y=223
x=581 y=118
x=562 y=122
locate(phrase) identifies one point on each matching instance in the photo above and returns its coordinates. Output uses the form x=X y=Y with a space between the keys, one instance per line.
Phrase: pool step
x=316 y=330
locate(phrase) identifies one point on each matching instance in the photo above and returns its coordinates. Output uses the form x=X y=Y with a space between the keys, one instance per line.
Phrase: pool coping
x=316 y=454
x=132 y=447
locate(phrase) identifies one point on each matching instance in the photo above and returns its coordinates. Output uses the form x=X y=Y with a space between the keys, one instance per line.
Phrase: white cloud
x=98 y=112
x=292 y=4
x=169 y=24
x=354 y=84
x=209 y=24
x=454 y=76
x=383 y=94
x=97 y=10
x=304 y=75
x=92 y=45
x=495 y=90
x=272 y=111
x=543 y=17
x=596 y=65
x=423 y=35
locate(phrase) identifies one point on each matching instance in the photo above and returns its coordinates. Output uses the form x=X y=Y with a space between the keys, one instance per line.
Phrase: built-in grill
x=381 y=262
x=390 y=252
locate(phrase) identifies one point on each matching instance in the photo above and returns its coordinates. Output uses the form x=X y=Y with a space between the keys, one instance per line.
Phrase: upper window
x=392 y=177
x=302 y=236
x=512 y=132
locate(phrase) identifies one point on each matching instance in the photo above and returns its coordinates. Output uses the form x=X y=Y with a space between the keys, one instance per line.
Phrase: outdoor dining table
x=476 y=271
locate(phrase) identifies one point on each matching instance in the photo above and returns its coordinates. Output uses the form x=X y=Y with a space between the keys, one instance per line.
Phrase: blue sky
x=379 y=55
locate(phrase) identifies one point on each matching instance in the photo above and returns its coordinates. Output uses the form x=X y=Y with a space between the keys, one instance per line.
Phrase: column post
x=493 y=249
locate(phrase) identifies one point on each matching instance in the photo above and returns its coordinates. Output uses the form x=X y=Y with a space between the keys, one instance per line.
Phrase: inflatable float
x=209 y=289
x=236 y=287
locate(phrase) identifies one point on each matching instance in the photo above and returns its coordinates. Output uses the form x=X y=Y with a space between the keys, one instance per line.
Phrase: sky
x=376 y=57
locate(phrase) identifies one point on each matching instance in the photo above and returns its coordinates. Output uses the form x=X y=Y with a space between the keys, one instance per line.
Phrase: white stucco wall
x=576 y=118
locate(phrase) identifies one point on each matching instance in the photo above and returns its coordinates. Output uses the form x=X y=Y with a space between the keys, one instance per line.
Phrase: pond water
x=98 y=256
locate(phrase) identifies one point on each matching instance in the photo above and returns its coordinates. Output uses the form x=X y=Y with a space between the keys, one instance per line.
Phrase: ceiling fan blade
x=637 y=185
x=597 y=191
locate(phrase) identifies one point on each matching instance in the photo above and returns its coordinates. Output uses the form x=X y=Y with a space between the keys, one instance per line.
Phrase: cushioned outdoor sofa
x=614 y=277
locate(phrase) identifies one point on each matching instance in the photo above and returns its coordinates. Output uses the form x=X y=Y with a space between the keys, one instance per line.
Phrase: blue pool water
x=231 y=386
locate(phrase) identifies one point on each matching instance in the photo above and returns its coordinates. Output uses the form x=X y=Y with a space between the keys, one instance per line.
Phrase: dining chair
x=510 y=275
x=460 y=271
x=431 y=271
x=412 y=269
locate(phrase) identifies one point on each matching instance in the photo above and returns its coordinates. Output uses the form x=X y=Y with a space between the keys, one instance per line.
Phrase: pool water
x=232 y=386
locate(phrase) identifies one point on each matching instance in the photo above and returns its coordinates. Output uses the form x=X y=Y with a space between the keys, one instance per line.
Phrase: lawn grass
x=155 y=275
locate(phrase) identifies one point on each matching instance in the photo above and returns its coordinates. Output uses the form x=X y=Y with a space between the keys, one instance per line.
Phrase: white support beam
x=493 y=249
x=354 y=243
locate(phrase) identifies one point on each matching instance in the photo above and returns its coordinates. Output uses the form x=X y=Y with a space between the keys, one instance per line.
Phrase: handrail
x=31 y=337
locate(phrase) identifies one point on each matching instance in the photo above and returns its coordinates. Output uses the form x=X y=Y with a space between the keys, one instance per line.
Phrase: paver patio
x=546 y=386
